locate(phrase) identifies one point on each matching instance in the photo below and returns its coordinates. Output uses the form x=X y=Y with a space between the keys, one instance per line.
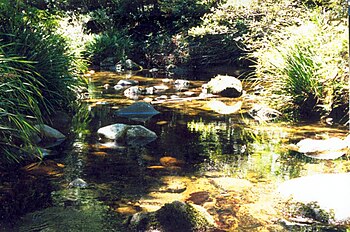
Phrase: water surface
x=228 y=163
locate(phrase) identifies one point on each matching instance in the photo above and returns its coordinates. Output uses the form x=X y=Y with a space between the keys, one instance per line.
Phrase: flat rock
x=329 y=191
x=139 y=111
x=331 y=148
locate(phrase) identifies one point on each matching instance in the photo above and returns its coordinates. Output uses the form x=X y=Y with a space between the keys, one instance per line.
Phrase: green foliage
x=301 y=74
x=299 y=50
x=19 y=107
x=151 y=25
x=32 y=33
x=304 y=64
x=39 y=74
x=116 y=44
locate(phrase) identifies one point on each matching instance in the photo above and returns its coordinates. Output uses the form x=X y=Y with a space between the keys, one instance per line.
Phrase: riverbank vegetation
x=297 y=50
x=39 y=74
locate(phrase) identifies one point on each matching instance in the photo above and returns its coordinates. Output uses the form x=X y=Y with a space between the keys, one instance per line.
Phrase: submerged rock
x=325 y=196
x=231 y=184
x=169 y=161
x=226 y=86
x=175 y=216
x=200 y=197
x=78 y=183
x=174 y=186
x=263 y=113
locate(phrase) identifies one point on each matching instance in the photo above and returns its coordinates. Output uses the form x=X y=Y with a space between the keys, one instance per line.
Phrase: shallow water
x=229 y=164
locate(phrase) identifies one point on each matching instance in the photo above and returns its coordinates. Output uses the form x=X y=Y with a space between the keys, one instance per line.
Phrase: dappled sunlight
x=201 y=115
x=230 y=165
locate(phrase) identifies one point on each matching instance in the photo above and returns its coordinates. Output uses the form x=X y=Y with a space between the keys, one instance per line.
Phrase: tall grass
x=305 y=67
x=20 y=97
x=301 y=73
x=33 y=35
x=39 y=72
x=115 y=44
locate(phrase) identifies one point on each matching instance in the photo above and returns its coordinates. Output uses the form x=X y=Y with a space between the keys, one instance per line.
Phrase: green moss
x=172 y=217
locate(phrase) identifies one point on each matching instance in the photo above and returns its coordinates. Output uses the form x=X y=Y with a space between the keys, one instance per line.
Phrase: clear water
x=229 y=164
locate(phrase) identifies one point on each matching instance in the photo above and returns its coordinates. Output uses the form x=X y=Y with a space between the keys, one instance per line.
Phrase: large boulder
x=322 y=197
x=226 y=86
x=113 y=132
x=139 y=135
x=175 y=216
x=133 y=135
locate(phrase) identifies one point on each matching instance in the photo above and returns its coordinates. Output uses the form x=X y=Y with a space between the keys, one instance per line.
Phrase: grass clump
x=306 y=64
x=20 y=97
x=39 y=74
x=108 y=44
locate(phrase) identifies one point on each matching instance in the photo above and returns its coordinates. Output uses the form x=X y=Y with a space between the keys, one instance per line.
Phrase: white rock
x=329 y=191
x=113 y=132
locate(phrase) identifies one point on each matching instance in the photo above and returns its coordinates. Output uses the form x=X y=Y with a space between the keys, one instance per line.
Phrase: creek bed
x=229 y=164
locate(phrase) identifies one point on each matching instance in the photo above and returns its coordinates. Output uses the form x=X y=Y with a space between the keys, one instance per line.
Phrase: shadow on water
x=229 y=164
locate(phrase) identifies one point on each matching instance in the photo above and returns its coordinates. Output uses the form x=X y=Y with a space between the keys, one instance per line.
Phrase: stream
x=230 y=164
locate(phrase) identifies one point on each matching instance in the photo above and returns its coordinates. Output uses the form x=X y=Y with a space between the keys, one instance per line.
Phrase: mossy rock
x=172 y=217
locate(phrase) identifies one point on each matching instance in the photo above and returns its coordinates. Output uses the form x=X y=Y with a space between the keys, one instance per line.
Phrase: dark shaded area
x=21 y=193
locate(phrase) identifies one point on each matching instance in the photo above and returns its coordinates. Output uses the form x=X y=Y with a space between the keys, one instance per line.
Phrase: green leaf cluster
x=39 y=73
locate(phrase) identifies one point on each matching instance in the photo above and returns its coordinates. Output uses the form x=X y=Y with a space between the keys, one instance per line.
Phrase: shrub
x=20 y=97
x=116 y=44
x=33 y=35
x=38 y=74
x=305 y=64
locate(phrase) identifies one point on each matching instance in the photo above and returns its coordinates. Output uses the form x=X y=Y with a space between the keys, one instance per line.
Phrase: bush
x=32 y=33
x=115 y=44
x=39 y=74
x=20 y=97
x=305 y=64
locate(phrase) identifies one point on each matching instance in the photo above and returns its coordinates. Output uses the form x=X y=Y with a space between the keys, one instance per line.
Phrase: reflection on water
x=229 y=164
